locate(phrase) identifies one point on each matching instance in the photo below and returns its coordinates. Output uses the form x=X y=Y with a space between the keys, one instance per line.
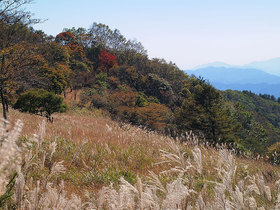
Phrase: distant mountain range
x=271 y=66
x=224 y=76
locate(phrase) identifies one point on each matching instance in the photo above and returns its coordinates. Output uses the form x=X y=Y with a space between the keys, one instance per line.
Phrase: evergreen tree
x=40 y=102
x=203 y=112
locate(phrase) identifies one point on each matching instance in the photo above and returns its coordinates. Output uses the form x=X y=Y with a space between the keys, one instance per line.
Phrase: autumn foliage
x=67 y=39
x=106 y=60
x=116 y=75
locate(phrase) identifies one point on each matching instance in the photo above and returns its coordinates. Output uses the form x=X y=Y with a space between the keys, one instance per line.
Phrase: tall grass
x=86 y=161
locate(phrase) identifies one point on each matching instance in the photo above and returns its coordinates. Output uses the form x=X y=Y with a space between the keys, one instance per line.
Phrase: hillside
x=115 y=129
x=258 y=116
x=75 y=158
x=115 y=74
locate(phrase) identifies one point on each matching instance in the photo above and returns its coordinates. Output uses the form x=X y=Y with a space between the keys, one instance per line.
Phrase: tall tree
x=13 y=36
x=11 y=7
x=78 y=62
x=203 y=112
x=14 y=62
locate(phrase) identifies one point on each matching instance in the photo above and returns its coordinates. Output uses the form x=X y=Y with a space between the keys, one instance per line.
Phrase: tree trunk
x=3 y=104
x=7 y=105
x=2 y=89
x=75 y=95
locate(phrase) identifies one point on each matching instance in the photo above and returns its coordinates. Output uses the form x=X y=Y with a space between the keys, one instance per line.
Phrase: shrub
x=42 y=102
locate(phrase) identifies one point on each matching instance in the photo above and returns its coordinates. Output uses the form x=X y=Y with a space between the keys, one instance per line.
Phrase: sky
x=186 y=32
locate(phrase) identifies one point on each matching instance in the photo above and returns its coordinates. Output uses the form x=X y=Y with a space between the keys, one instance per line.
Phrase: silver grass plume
x=175 y=156
x=176 y=194
x=11 y=154
x=108 y=198
x=197 y=159
x=19 y=188
x=264 y=189
x=277 y=203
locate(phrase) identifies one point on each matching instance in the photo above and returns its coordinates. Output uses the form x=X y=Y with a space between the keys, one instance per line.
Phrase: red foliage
x=107 y=60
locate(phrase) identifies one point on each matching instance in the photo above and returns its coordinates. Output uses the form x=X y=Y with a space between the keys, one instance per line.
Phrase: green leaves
x=203 y=112
x=40 y=102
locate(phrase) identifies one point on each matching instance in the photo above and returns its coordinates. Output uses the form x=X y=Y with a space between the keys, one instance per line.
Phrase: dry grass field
x=84 y=160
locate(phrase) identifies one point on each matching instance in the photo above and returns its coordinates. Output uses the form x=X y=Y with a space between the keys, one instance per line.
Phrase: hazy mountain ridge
x=271 y=66
x=235 y=75
x=237 y=78
x=271 y=89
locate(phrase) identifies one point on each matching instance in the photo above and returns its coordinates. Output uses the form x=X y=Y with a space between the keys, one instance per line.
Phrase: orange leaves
x=123 y=98
x=65 y=38
x=155 y=116
x=67 y=35
x=63 y=68
x=68 y=39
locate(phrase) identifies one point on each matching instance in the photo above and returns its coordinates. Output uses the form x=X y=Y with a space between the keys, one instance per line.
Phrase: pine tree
x=203 y=112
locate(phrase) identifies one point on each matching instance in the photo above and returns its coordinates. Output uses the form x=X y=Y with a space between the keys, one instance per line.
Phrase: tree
x=56 y=70
x=101 y=36
x=68 y=40
x=154 y=116
x=106 y=60
x=13 y=36
x=57 y=77
x=78 y=62
x=15 y=61
x=54 y=53
x=80 y=35
x=41 y=102
x=11 y=6
x=203 y=112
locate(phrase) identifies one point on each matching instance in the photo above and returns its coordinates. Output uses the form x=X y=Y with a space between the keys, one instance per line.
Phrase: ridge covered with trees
x=115 y=74
x=198 y=158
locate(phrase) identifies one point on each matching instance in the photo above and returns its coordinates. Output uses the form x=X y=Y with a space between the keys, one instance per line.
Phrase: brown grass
x=97 y=151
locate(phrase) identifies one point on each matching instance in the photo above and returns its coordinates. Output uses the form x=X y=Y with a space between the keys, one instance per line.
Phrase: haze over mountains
x=271 y=66
x=259 y=77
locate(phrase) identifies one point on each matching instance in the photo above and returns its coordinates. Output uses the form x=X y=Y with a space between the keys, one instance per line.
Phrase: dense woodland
x=115 y=74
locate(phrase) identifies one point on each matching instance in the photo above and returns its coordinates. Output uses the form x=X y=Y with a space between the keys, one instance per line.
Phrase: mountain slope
x=119 y=166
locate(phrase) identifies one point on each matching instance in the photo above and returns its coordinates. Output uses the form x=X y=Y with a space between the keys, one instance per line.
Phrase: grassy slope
x=97 y=151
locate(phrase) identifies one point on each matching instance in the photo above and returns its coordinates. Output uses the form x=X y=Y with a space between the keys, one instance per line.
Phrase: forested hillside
x=115 y=74
x=257 y=117
x=91 y=122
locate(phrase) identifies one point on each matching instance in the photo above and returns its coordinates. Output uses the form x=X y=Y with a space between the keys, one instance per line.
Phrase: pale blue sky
x=187 y=32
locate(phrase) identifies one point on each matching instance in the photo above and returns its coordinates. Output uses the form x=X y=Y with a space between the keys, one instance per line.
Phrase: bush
x=42 y=102
x=274 y=153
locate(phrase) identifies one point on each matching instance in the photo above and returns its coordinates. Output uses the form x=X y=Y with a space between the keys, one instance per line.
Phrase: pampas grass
x=10 y=153
x=125 y=167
